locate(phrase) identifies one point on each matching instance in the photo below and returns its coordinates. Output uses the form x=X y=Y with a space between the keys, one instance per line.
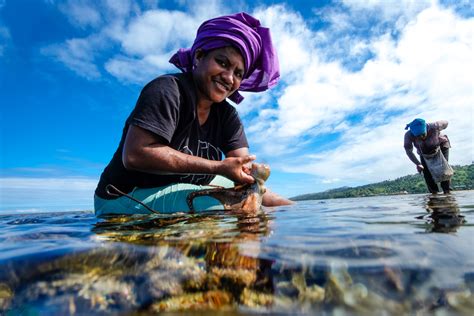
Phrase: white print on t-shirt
x=204 y=150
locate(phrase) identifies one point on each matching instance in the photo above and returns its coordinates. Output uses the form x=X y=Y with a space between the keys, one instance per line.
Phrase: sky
x=353 y=74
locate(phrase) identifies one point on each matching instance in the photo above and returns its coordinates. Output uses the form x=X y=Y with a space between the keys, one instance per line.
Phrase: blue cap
x=417 y=127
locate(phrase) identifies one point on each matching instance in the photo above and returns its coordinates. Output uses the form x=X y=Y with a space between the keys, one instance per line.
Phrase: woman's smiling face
x=218 y=73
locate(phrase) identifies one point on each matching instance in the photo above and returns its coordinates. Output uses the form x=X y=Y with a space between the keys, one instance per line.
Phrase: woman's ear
x=198 y=55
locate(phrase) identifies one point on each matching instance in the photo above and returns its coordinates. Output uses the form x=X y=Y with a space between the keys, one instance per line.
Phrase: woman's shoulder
x=409 y=136
x=170 y=80
x=174 y=86
x=440 y=125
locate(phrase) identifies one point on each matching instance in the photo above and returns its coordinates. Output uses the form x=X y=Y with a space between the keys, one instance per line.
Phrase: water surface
x=393 y=254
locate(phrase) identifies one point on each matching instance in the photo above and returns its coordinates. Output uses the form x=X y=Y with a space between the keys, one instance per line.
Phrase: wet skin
x=245 y=198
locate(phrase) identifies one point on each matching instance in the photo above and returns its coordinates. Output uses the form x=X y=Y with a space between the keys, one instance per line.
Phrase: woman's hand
x=420 y=168
x=243 y=170
x=236 y=169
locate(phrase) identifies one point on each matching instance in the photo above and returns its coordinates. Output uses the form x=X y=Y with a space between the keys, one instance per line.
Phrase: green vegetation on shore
x=463 y=179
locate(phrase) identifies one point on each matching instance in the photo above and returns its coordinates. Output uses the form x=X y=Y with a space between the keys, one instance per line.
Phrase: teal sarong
x=167 y=199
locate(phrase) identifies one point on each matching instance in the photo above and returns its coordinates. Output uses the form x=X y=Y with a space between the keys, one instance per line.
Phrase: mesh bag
x=438 y=166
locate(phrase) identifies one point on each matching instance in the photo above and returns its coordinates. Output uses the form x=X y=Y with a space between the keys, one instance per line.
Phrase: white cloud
x=81 y=13
x=291 y=37
x=390 y=10
x=137 y=70
x=349 y=87
x=426 y=71
x=149 y=40
x=254 y=103
x=74 y=184
x=106 y=19
x=121 y=8
x=78 y=54
x=96 y=14
x=156 y=31
x=146 y=39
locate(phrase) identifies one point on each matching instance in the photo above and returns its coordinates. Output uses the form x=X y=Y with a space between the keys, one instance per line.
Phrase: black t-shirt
x=167 y=108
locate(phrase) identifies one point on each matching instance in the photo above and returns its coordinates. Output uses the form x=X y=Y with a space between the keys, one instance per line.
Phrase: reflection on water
x=348 y=256
x=444 y=215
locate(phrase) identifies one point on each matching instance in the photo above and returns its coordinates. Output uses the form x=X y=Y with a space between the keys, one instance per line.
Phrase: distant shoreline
x=463 y=180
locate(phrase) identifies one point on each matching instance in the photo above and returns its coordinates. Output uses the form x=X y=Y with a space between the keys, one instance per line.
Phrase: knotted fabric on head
x=254 y=42
x=417 y=127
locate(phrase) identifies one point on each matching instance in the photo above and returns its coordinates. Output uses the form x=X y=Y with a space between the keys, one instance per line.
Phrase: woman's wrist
x=216 y=167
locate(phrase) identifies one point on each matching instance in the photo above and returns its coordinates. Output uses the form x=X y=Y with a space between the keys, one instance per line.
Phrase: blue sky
x=353 y=74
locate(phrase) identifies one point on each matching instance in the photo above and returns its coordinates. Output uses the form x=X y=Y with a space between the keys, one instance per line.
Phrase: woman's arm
x=408 y=145
x=411 y=155
x=441 y=124
x=272 y=199
x=144 y=151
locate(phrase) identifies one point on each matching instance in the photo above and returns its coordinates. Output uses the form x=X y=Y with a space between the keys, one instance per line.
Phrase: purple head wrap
x=254 y=42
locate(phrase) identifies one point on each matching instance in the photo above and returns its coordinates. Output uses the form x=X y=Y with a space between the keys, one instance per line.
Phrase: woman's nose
x=228 y=76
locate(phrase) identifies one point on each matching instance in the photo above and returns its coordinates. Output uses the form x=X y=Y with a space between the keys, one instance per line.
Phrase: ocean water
x=390 y=255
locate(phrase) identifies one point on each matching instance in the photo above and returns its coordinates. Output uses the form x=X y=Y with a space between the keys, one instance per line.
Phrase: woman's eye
x=221 y=63
x=238 y=74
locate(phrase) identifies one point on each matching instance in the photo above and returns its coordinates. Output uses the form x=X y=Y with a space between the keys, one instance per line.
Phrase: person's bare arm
x=408 y=145
x=443 y=124
x=412 y=156
x=144 y=151
x=272 y=199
